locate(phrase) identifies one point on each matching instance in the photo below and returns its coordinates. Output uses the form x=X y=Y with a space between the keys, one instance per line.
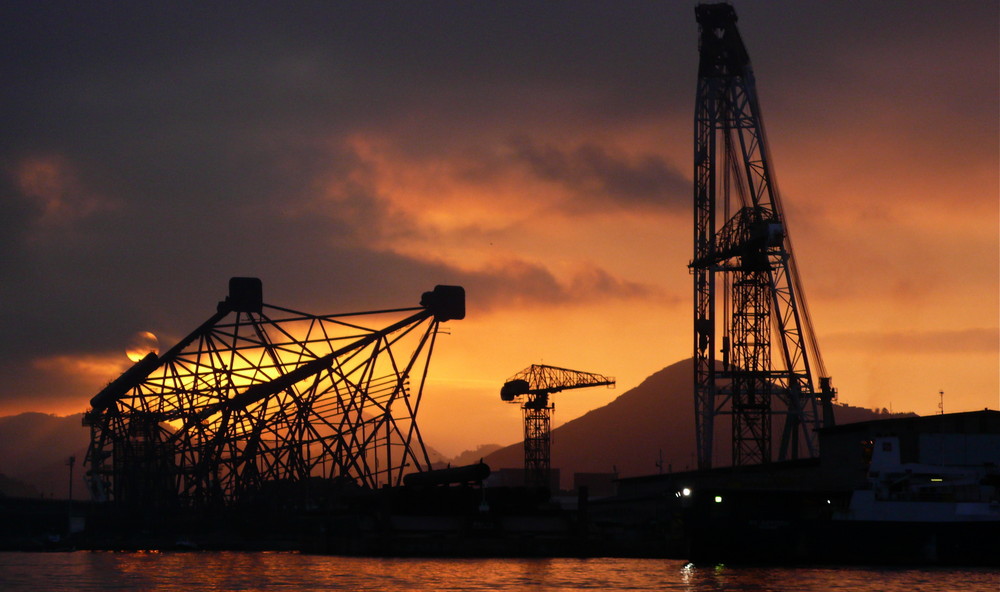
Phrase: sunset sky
x=354 y=154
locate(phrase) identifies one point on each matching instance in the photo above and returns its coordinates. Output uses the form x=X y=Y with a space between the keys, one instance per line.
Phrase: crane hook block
x=513 y=388
x=446 y=302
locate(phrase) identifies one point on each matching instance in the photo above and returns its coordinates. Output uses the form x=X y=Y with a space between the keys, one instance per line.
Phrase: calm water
x=85 y=571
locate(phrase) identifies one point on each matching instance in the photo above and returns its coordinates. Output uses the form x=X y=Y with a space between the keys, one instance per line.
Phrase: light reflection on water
x=93 y=571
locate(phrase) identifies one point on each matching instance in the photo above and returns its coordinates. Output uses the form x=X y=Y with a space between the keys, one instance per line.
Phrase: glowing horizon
x=550 y=175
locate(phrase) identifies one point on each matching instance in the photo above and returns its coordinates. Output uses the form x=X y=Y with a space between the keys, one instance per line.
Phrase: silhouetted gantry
x=749 y=305
x=260 y=401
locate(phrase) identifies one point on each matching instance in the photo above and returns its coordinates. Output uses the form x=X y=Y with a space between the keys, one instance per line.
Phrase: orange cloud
x=87 y=367
x=75 y=377
x=53 y=184
x=954 y=342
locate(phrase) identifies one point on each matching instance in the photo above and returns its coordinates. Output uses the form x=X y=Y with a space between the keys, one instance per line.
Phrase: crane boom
x=552 y=379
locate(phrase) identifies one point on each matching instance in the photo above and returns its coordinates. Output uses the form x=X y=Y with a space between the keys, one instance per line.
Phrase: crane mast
x=743 y=265
x=531 y=387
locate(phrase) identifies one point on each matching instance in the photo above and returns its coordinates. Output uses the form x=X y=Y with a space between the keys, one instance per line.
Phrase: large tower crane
x=531 y=387
x=743 y=265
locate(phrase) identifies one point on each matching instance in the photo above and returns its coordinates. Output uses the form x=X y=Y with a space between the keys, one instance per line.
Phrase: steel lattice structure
x=532 y=387
x=743 y=259
x=262 y=396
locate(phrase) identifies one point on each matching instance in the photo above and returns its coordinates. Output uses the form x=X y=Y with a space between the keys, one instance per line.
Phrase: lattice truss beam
x=261 y=394
x=743 y=264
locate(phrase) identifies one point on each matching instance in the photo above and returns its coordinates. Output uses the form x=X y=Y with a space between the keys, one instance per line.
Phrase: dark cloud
x=198 y=68
x=97 y=309
x=525 y=284
x=604 y=179
x=197 y=141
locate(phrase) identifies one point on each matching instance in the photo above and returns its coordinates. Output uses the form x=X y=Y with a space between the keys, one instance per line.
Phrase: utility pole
x=69 y=503
x=71 y=462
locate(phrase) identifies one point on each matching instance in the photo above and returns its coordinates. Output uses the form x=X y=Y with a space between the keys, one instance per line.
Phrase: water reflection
x=100 y=571
x=855 y=579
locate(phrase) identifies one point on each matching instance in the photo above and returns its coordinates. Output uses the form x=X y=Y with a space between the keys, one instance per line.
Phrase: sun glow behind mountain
x=359 y=162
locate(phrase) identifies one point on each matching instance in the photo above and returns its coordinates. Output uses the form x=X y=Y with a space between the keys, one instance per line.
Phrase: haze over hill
x=629 y=434
x=34 y=450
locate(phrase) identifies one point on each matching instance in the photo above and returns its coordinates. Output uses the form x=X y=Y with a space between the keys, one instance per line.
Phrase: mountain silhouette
x=14 y=488
x=469 y=457
x=631 y=434
x=35 y=448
